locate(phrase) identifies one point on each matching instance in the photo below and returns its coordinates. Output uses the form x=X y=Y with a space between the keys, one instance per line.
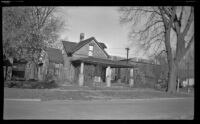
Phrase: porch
x=101 y=71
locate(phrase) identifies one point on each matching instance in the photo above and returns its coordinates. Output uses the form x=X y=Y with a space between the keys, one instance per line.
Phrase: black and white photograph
x=98 y=62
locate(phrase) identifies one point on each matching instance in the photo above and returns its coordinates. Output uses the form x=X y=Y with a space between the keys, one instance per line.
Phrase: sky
x=99 y=22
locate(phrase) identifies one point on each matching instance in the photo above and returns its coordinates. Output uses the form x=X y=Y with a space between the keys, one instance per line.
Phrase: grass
x=46 y=94
x=143 y=94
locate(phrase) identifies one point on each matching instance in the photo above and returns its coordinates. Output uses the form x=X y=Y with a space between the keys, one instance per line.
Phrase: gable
x=69 y=46
x=98 y=52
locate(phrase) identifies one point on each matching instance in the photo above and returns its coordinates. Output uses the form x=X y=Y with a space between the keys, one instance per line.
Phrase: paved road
x=112 y=109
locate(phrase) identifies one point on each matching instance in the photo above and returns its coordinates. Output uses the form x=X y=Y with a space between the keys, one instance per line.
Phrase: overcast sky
x=101 y=23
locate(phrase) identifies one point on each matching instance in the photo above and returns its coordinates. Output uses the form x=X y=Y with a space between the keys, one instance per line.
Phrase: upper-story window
x=91 y=48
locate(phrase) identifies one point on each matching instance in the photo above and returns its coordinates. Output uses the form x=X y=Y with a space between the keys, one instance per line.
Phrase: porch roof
x=104 y=62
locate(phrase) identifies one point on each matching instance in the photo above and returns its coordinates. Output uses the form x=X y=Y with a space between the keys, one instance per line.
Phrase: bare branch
x=155 y=41
x=163 y=17
x=148 y=11
x=189 y=22
x=149 y=26
x=181 y=15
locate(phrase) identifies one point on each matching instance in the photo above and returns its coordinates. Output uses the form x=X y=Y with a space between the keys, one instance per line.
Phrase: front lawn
x=143 y=94
x=44 y=94
x=47 y=94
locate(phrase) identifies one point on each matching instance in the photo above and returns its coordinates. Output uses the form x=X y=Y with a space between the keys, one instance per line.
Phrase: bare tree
x=158 y=24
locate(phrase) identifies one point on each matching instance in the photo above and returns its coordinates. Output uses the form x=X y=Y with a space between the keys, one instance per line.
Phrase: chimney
x=81 y=36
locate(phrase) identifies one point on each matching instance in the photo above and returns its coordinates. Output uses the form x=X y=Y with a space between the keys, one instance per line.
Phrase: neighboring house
x=87 y=61
x=52 y=65
x=52 y=62
x=7 y=67
x=18 y=69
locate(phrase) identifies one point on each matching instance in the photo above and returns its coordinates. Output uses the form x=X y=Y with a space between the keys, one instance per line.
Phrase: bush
x=46 y=85
x=31 y=84
x=161 y=84
x=13 y=84
x=49 y=82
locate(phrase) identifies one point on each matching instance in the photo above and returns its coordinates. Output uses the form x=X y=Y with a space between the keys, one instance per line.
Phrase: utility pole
x=127 y=49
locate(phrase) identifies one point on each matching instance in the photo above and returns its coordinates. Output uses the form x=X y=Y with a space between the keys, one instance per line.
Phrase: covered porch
x=102 y=69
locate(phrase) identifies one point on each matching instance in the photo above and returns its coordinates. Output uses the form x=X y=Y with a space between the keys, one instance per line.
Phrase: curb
x=103 y=90
x=23 y=99
x=151 y=99
x=121 y=100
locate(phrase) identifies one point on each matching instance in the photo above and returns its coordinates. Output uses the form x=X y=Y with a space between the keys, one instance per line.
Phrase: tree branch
x=189 y=22
x=185 y=50
x=163 y=17
x=145 y=10
x=149 y=26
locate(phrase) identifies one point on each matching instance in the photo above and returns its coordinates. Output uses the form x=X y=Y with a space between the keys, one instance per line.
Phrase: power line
x=116 y=48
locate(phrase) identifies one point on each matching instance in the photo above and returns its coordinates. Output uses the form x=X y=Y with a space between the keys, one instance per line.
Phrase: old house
x=18 y=69
x=87 y=62
x=51 y=63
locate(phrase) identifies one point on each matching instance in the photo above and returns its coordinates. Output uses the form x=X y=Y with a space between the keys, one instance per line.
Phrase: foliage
x=31 y=84
x=13 y=84
x=29 y=30
x=161 y=84
x=49 y=82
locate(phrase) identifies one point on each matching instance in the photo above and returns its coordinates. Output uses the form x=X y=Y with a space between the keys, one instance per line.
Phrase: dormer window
x=91 y=48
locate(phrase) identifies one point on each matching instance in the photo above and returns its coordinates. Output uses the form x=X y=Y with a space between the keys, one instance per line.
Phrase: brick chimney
x=82 y=36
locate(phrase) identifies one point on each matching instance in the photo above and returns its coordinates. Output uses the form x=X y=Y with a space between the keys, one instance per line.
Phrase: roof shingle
x=68 y=46
x=55 y=55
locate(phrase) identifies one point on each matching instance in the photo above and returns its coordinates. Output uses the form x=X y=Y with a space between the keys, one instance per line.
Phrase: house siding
x=97 y=51
x=72 y=70
x=68 y=69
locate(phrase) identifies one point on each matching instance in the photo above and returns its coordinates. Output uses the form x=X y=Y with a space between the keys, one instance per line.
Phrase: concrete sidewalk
x=101 y=109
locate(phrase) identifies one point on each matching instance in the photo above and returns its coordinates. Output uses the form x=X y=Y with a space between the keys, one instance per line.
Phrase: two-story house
x=87 y=62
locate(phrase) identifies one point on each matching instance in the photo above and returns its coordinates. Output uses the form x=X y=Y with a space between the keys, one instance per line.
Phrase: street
x=101 y=109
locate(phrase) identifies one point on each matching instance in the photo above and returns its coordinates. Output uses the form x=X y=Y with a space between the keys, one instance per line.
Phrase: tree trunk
x=172 y=78
x=5 y=78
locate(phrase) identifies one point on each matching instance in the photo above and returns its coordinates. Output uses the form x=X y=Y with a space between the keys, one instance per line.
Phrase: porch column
x=131 y=81
x=178 y=85
x=81 y=75
x=108 y=76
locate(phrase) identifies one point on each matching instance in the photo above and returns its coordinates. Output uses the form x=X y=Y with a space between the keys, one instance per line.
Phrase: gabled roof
x=71 y=47
x=55 y=55
x=68 y=46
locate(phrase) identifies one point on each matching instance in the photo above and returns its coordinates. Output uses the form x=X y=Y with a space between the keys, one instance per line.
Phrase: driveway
x=168 y=108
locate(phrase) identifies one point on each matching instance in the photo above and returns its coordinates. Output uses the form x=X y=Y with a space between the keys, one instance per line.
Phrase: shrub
x=161 y=84
x=49 y=82
x=31 y=84
x=13 y=84
x=39 y=84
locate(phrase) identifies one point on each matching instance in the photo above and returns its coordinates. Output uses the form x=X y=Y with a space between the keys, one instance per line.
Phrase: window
x=91 y=48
